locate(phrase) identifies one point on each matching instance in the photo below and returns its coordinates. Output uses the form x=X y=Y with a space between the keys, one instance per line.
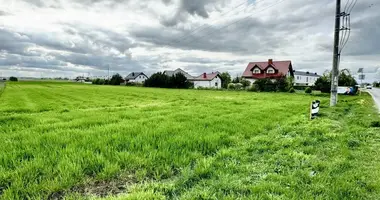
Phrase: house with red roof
x=271 y=69
x=212 y=80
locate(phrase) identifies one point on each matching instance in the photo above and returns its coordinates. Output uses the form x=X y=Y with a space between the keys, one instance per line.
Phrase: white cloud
x=68 y=37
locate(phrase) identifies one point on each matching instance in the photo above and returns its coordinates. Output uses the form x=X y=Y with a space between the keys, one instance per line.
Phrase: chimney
x=270 y=61
x=204 y=75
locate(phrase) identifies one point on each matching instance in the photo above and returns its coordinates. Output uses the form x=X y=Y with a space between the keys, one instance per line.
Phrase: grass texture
x=73 y=141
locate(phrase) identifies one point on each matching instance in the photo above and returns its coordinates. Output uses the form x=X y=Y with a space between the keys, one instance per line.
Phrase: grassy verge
x=77 y=141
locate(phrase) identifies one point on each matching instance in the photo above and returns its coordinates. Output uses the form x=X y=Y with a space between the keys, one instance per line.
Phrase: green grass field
x=73 y=141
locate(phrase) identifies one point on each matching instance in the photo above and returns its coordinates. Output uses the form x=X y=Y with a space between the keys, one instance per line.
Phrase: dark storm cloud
x=185 y=8
x=16 y=48
x=295 y=23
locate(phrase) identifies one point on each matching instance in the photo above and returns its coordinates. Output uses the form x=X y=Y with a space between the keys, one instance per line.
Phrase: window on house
x=298 y=77
x=307 y=79
x=216 y=84
x=270 y=71
x=256 y=71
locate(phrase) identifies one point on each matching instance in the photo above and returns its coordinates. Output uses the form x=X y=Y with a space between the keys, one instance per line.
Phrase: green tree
x=289 y=82
x=116 y=79
x=12 y=78
x=158 y=79
x=323 y=84
x=179 y=81
x=282 y=84
x=226 y=79
x=345 y=78
x=236 y=80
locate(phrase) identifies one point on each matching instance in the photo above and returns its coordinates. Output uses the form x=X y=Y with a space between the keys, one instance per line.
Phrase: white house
x=212 y=80
x=179 y=70
x=136 y=77
x=305 y=78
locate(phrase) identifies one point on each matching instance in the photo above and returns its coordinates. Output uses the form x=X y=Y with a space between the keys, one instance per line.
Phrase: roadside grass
x=78 y=141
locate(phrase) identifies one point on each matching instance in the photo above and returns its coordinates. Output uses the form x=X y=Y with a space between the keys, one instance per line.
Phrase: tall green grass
x=2 y=87
x=77 y=141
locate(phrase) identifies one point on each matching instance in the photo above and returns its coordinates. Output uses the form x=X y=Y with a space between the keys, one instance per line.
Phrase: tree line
x=281 y=84
x=324 y=82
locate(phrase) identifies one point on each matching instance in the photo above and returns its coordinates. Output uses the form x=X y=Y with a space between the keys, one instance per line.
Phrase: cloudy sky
x=60 y=38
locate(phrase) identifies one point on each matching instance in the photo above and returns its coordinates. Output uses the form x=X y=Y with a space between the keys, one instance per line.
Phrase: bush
x=231 y=86
x=134 y=84
x=238 y=86
x=12 y=78
x=98 y=81
x=308 y=90
x=292 y=90
x=253 y=88
x=245 y=83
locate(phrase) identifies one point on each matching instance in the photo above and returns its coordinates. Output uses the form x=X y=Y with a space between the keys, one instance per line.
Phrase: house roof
x=209 y=77
x=282 y=68
x=306 y=74
x=134 y=75
x=179 y=70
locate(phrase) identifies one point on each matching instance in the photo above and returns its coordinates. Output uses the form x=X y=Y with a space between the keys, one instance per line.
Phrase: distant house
x=305 y=78
x=171 y=73
x=212 y=80
x=136 y=77
x=271 y=69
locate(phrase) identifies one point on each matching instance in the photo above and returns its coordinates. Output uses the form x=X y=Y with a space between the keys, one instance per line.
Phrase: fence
x=2 y=87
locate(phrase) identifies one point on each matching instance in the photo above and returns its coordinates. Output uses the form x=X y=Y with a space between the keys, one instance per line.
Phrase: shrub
x=134 y=84
x=238 y=86
x=253 y=88
x=98 y=81
x=292 y=90
x=231 y=86
x=12 y=78
x=245 y=83
x=308 y=90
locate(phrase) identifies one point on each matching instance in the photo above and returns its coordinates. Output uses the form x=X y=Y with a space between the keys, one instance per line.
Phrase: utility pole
x=335 y=70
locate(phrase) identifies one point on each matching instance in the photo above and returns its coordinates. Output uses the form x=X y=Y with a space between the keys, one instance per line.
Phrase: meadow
x=74 y=141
